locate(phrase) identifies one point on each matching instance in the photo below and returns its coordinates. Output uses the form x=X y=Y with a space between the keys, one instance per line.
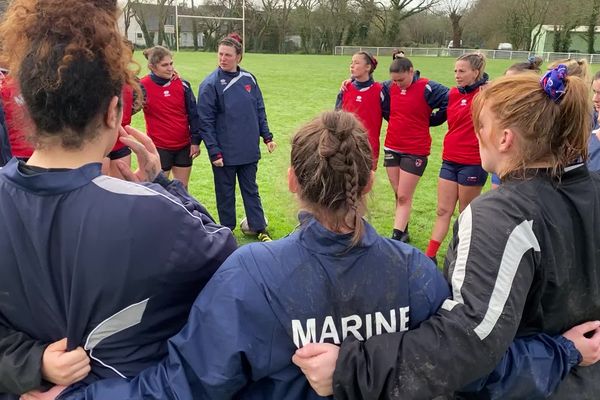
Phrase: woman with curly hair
x=109 y=265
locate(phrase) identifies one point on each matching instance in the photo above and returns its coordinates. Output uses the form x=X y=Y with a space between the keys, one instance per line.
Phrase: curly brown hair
x=70 y=60
x=332 y=160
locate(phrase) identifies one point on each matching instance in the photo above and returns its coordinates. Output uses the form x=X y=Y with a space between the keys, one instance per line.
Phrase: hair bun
x=235 y=36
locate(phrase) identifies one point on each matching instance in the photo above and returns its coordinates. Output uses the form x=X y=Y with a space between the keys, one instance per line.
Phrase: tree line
x=317 y=26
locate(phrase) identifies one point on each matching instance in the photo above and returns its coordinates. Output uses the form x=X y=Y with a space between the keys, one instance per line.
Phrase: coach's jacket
x=232 y=117
x=111 y=265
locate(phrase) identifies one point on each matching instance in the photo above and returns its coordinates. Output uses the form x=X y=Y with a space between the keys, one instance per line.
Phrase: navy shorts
x=122 y=152
x=465 y=175
x=407 y=162
x=175 y=158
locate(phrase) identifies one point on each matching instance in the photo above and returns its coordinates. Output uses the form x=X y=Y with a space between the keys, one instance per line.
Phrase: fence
x=454 y=52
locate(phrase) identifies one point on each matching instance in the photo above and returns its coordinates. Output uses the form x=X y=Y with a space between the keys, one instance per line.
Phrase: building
x=579 y=42
x=149 y=13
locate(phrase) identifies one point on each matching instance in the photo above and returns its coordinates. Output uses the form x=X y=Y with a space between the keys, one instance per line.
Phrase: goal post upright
x=243 y=19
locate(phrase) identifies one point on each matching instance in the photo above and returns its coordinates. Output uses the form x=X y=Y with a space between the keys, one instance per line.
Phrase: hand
x=589 y=346
x=271 y=146
x=194 y=151
x=317 y=362
x=64 y=367
x=218 y=162
x=48 y=395
x=346 y=82
x=147 y=156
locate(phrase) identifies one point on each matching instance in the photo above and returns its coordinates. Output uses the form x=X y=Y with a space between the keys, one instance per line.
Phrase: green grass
x=295 y=89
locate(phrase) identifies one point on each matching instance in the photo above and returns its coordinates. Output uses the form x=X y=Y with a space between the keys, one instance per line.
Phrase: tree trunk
x=457 y=30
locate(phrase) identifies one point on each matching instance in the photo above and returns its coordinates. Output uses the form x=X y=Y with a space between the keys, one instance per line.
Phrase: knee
x=402 y=199
x=444 y=212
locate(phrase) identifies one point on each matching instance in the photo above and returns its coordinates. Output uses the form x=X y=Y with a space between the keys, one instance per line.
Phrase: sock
x=397 y=234
x=432 y=248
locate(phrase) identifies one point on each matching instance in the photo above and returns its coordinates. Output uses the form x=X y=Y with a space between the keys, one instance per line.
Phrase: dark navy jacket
x=113 y=266
x=5 y=152
x=593 y=161
x=268 y=299
x=232 y=116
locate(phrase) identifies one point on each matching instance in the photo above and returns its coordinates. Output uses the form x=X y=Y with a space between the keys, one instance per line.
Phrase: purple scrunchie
x=553 y=82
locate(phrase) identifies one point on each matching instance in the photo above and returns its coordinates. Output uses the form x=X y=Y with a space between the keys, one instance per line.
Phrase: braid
x=332 y=160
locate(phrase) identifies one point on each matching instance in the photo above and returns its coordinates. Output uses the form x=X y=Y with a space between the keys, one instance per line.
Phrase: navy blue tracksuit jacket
x=232 y=116
x=113 y=266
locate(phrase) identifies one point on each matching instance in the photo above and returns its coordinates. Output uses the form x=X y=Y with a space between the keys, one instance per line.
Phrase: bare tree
x=455 y=10
x=139 y=12
x=127 y=15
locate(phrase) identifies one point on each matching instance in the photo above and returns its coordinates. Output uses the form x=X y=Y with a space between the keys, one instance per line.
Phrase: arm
x=421 y=363
x=192 y=113
x=436 y=96
x=216 y=354
x=262 y=116
x=207 y=114
x=338 y=101
x=385 y=100
x=20 y=361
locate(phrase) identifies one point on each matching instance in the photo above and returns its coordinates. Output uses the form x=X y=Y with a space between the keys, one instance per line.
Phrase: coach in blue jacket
x=232 y=119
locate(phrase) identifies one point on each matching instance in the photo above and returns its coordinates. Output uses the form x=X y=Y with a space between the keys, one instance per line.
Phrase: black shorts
x=175 y=158
x=407 y=162
x=122 y=152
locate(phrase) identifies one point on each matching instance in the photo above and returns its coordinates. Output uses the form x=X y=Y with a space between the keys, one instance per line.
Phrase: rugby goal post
x=243 y=19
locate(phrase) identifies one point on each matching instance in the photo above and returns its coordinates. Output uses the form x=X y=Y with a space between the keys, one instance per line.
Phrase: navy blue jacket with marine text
x=232 y=117
x=113 y=266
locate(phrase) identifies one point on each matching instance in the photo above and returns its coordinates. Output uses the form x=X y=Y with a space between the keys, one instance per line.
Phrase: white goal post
x=243 y=19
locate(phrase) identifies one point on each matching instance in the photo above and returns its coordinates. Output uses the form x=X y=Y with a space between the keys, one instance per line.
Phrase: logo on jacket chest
x=248 y=88
x=223 y=82
x=361 y=327
x=166 y=93
x=359 y=99
x=403 y=92
x=463 y=102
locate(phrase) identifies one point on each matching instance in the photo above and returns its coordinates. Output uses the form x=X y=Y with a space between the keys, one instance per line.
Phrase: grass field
x=296 y=88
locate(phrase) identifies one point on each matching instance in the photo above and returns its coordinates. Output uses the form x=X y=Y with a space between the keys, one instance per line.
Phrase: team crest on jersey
x=248 y=88
x=403 y=92
x=359 y=99
x=463 y=102
x=167 y=93
x=223 y=82
x=418 y=162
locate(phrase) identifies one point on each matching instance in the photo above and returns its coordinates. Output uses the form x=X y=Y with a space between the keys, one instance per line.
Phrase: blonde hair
x=547 y=131
x=476 y=61
x=332 y=160
x=579 y=68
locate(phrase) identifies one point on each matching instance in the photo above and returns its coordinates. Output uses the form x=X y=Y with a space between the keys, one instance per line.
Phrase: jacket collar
x=317 y=238
x=49 y=181
x=468 y=89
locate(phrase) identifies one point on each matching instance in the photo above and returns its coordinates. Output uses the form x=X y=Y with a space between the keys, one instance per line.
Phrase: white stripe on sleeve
x=465 y=226
x=519 y=242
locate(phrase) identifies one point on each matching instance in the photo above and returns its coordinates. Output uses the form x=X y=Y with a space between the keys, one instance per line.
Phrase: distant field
x=296 y=88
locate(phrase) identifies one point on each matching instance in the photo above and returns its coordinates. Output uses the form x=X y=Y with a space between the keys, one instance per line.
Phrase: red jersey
x=460 y=143
x=17 y=122
x=127 y=100
x=165 y=114
x=408 y=127
x=366 y=105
